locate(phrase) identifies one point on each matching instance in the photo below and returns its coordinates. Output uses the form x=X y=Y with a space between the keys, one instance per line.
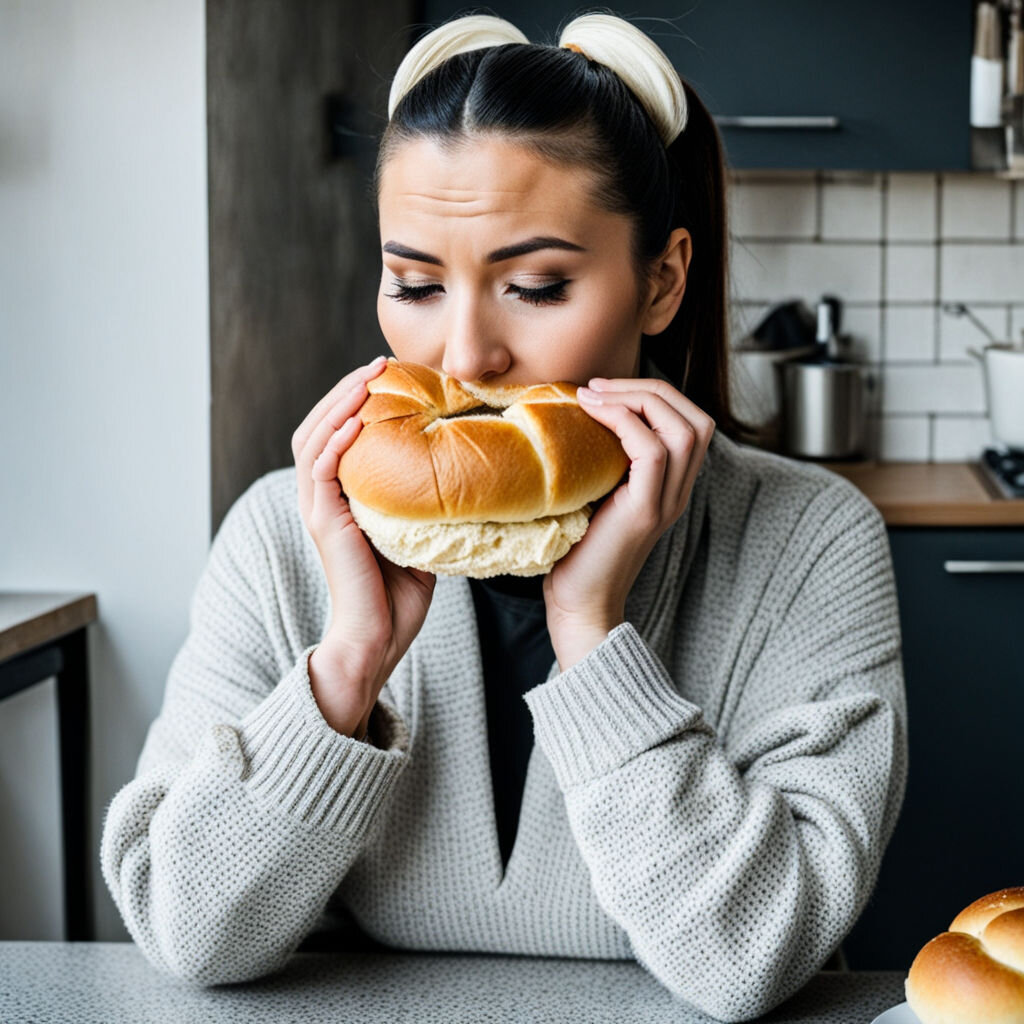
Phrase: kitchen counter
x=111 y=983
x=932 y=493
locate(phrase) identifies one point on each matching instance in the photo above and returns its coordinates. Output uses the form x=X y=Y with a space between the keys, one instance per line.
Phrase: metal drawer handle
x=777 y=122
x=976 y=567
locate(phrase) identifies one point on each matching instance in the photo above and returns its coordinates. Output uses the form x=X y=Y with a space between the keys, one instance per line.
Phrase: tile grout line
x=883 y=265
x=938 y=298
x=819 y=202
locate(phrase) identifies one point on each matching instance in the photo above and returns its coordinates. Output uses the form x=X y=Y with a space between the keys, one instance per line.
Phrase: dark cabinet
x=886 y=85
x=961 y=830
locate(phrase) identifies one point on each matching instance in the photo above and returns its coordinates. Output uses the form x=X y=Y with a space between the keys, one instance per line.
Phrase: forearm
x=259 y=825
x=757 y=864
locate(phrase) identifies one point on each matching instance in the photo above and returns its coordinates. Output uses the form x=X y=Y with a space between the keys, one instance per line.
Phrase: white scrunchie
x=460 y=36
x=603 y=38
x=638 y=61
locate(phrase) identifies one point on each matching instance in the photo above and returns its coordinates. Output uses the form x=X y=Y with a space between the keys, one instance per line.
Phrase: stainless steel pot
x=823 y=407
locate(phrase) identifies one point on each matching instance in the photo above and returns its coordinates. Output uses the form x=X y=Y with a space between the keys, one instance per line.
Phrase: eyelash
x=546 y=296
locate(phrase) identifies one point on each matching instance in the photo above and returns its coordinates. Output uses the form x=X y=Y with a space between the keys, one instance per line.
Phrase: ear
x=667 y=282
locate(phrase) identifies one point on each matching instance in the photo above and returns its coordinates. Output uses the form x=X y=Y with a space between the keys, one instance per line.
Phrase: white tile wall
x=852 y=210
x=912 y=209
x=976 y=207
x=773 y=209
x=1017 y=324
x=910 y=334
x=910 y=272
x=960 y=438
x=932 y=387
x=863 y=325
x=895 y=248
x=957 y=334
x=778 y=271
x=983 y=273
x=904 y=438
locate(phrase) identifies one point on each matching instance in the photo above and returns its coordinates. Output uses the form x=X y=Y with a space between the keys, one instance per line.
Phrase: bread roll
x=974 y=973
x=473 y=479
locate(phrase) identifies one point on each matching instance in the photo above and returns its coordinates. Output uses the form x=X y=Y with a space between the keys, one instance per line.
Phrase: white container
x=1004 y=386
x=986 y=92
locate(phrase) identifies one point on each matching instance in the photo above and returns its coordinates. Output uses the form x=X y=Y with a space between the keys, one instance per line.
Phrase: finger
x=326 y=497
x=361 y=375
x=697 y=416
x=649 y=459
x=676 y=434
x=335 y=419
x=325 y=466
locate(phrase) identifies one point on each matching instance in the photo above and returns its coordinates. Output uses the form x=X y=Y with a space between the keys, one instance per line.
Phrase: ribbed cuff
x=615 y=703
x=298 y=761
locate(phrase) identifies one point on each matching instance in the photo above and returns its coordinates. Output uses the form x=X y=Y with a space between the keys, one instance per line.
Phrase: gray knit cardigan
x=710 y=790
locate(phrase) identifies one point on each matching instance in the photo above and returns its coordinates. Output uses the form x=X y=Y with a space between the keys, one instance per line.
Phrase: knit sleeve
x=247 y=809
x=736 y=862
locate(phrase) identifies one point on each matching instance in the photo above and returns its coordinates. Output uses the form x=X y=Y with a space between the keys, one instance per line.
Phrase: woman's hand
x=666 y=438
x=377 y=608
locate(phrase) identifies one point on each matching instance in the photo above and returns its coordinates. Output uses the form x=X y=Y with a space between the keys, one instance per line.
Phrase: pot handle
x=984 y=372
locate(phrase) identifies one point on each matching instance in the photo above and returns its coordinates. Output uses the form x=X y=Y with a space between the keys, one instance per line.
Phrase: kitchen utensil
x=1003 y=366
x=823 y=396
x=986 y=68
x=787 y=332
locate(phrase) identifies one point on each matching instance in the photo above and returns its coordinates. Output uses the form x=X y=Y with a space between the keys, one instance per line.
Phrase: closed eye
x=413 y=293
x=548 y=295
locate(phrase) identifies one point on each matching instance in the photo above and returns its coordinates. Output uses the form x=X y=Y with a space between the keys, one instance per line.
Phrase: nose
x=474 y=344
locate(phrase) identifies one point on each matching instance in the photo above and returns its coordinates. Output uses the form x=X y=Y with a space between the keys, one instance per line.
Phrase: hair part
x=576 y=112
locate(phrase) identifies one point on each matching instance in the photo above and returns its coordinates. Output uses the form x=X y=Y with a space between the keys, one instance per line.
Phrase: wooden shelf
x=932 y=494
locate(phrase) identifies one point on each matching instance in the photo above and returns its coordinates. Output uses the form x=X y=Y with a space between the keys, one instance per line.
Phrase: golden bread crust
x=974 y=973
x=418 y=456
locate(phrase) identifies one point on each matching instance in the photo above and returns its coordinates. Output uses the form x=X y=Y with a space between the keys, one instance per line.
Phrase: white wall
x=104 y=386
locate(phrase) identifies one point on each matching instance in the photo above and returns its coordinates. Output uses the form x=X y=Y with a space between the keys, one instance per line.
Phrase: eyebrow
x=506 y=252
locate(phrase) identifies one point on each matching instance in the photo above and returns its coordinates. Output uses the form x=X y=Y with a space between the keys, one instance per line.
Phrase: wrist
x=572 y=640
x=343 y=691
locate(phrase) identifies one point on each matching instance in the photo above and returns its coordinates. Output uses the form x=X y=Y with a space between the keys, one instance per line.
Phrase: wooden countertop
x=932 y=493
x=30 y=619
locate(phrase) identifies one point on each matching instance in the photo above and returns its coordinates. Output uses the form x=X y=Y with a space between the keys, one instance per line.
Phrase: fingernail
x=596 y=382
x=586 y=395
x=379 y=361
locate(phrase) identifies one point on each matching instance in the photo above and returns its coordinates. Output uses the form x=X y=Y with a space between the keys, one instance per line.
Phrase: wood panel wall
x=294 y=251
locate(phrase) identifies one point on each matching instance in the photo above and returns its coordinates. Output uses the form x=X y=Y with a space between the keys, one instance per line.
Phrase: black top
x=517 y=656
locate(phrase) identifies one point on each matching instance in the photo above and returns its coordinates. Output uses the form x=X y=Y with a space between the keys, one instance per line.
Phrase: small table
x=44 y=635
x=112 y=983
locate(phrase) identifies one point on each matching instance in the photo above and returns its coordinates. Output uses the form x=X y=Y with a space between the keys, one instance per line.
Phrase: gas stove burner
x=1005 y=468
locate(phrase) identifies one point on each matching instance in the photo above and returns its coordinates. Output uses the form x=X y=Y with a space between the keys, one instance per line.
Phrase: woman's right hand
x=377 y=608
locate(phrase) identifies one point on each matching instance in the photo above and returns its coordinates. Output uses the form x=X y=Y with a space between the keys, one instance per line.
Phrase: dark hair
x=575 y=111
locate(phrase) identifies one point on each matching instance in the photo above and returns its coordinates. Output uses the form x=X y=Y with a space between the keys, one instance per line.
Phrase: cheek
x=608 y=331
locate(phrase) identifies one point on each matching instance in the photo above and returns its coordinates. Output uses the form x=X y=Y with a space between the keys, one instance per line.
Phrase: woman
x=711 y=676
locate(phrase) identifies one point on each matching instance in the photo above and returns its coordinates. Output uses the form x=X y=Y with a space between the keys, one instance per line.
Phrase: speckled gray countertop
x=112 y=983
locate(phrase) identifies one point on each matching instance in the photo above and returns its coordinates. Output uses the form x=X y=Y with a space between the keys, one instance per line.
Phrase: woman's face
x=499 y=266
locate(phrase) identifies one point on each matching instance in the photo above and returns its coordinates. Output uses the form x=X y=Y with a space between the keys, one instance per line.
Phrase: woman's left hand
x=666 y=438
